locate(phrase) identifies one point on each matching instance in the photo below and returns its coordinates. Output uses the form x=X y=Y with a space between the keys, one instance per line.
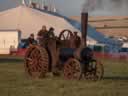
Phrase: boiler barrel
x=86 y=54
x=66 y=53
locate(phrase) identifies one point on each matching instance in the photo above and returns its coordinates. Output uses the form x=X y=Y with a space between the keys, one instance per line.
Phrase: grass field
x=14 y=82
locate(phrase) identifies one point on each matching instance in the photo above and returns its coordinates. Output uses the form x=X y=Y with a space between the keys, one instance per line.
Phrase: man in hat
x=31 y=40
x=41 y=35
x=50 y=33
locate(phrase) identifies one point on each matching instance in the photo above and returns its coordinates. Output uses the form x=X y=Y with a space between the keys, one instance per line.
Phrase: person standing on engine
x=31 y=40
x=50 y=33
x=41 y=35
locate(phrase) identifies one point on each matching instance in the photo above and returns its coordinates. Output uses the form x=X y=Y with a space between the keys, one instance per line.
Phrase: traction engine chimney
x=84 y=27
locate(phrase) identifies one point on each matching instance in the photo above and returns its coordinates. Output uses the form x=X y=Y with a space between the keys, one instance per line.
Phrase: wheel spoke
x=68 y=36
x=29 y=59
x=63 y=37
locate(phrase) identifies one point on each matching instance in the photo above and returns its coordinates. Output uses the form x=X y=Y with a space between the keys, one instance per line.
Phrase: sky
x=64 y=6
x=74 y=7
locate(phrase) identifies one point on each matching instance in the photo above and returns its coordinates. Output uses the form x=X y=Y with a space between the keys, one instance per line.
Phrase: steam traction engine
x=59 y=56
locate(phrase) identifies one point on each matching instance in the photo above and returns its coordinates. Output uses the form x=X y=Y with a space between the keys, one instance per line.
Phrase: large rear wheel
x=36 y=61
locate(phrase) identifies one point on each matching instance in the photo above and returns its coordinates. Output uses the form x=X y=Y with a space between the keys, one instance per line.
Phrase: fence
x=21 y=52
x=119 y=56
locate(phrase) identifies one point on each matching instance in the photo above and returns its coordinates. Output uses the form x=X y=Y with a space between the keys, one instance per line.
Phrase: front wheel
x=72 y=69
x=95 y=70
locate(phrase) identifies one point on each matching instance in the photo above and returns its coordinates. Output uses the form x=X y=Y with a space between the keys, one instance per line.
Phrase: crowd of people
x=43 y=35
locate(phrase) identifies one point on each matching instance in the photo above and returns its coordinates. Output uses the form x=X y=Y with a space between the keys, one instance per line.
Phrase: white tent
x=9 y=40
x=30 y=20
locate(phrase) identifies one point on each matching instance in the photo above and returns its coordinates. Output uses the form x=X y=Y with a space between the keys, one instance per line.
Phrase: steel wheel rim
x=96 y=73
x=72 y=69
x=36 y=63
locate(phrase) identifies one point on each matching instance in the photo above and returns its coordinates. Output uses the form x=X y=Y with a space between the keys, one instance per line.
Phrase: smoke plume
x=89 y=5
x=113 y=7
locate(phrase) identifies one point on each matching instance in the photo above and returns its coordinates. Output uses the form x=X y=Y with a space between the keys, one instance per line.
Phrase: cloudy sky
x=74 y=7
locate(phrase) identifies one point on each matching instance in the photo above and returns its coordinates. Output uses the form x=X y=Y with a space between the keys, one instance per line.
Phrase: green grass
x=14 y=82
